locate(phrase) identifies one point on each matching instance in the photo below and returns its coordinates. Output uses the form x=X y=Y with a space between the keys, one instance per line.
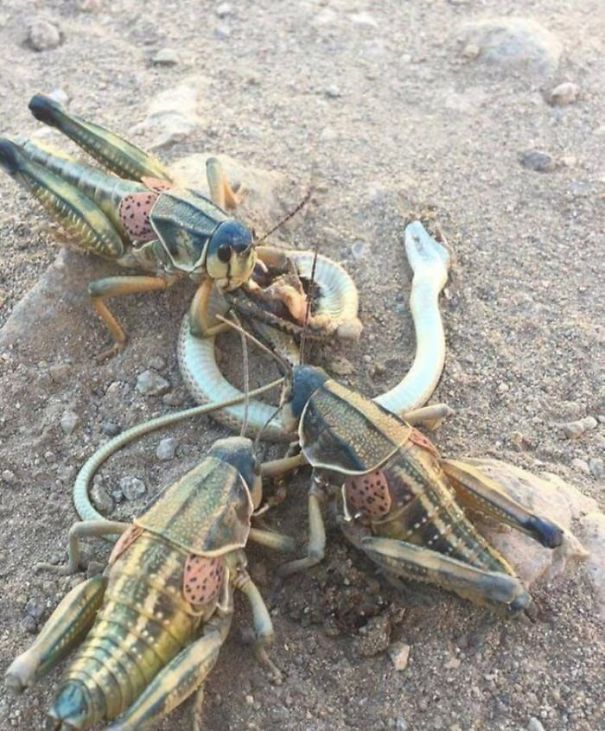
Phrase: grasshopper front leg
x=317 y=532
x=79 y=530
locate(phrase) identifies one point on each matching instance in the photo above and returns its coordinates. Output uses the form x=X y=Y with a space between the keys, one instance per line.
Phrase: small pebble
x=157 y=363
x=575 y=429
x=332 y=92
x=223 y=10
x=44 y=35
x=166 y=449
x=359 y=250
x=132 y=488
x=564 y=94
x=364 y=19
x=341 y=366
x=166 y=57
x=30 y=625
x=399 y=653
x=535 y=725
x=102 y=501
x=69 y=421
x=471 y=51
x=374 y=637
x=581 y=465
x=9 y=477
x=150 y=383
x=597 y=467
x=537 y=160
x=110 y=428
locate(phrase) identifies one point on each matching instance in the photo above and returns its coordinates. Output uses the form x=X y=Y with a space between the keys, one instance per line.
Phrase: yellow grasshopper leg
x=79 y=530
x=222 y=193
x=478 y=492
x=63 y=631
x=102 y=289
x=317 y=533
x=201 y=323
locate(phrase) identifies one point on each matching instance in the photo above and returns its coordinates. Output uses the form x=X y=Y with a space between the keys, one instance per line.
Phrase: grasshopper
x=141 y=218
x=149 y=629
x=398 y=499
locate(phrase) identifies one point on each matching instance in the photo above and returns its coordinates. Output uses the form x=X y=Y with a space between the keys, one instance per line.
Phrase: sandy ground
x=388 y=108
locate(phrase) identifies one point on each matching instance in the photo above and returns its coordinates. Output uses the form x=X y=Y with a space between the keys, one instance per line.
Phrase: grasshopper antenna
x=283 y=365
x=246 y=375
x=303 y=338
x=290 y=215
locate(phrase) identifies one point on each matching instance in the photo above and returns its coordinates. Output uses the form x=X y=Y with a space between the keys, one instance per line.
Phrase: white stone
x=69 y=421
x=172 y=114
x=399 y=653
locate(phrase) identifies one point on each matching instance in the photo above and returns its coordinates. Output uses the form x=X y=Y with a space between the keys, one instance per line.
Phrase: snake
x=429 y=261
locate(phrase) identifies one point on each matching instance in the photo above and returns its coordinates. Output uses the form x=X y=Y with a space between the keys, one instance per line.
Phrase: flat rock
x=548 y=496
x=592 y=530
x=172 y=114
x=511 y=45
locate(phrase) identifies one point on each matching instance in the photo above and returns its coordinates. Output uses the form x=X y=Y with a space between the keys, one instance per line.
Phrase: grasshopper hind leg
x=408 y=561
x=80 y=216
x=108 y=148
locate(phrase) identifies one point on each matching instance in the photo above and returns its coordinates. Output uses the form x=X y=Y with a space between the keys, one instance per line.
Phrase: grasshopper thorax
x=340 y=430
x=208 y=511
x=199 y=238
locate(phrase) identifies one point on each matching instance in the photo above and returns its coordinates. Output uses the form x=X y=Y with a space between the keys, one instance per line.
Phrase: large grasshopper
x=397 y=498
x=150 y=629
x=144 y=219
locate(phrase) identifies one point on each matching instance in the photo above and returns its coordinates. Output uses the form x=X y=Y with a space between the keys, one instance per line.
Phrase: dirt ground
x=388 y=108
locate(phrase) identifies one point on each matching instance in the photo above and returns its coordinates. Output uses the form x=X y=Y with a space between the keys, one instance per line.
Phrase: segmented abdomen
x=106 y=190
x=144 y=622
x=409 y=499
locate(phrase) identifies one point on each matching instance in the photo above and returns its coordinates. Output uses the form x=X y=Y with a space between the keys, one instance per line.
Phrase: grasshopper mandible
x=397 y=498
x=149 y=629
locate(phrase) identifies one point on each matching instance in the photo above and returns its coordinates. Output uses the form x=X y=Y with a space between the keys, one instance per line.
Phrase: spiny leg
x=421 y=564
x=79 y=215
x=221 y=192
x=79 y=530
x=65 y=628
x=101 y=289
x=263 y=626
x=116 y=153
x=180 y=678
x=479 y=492
x=317 y=533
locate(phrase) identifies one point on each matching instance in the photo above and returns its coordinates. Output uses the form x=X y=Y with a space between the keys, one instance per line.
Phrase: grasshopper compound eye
x=224 y=253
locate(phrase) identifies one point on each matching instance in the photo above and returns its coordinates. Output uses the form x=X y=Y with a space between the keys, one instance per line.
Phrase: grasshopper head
x=239 y=453
x=305 y=381
x=231 y=255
